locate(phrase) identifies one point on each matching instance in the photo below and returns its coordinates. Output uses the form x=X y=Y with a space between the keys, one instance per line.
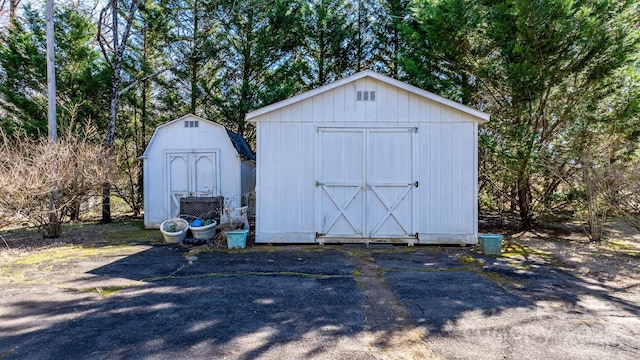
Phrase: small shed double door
x=191 y=173
x=366 y=183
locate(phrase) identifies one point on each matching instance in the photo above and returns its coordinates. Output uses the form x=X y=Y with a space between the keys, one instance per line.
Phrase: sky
x=4 y=6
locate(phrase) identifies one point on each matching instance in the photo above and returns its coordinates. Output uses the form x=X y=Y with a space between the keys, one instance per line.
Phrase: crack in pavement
x=388 y=323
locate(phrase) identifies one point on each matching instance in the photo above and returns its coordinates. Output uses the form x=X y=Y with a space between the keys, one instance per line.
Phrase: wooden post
x=53 y=228
x=51 y=75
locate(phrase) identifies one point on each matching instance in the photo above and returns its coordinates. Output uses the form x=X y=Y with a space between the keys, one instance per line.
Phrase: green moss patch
x=516 y=250
x=105 y=291
x=623 y=249
x=470 y=260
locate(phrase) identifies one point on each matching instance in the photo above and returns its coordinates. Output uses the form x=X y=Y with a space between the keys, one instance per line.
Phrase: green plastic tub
x=490 y=244
x=237 y=239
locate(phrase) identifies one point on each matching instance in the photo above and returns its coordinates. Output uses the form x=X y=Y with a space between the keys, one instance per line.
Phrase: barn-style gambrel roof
x=239 y=142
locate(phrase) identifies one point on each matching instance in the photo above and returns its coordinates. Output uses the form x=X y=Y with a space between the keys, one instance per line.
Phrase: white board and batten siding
x=189 y=156
x=367 y=159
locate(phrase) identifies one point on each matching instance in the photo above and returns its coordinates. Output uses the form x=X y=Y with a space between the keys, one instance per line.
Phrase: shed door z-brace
x=365 y=183
x=191 y=174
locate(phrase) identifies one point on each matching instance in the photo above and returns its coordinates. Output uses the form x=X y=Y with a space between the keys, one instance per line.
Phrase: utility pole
x=53 y=228
x=51 y=76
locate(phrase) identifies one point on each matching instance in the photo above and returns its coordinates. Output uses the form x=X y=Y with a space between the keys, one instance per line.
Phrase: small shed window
x=365 y=95
x=191 y=123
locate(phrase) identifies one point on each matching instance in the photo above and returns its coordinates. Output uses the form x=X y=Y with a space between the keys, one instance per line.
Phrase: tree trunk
x=118 y=45
x=595 y=214
x=524 y=200
x=395 y=72
x=146 y=92
x=13 y=7
x=194 y=62
x=74 y=211
x=106 y=203
x=110 y=140
x=513 y=203
x=141 y=142
x=53 y=228
x=359 y=41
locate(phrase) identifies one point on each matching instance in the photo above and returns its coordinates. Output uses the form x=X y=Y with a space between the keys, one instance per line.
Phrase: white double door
x=365 y=185
x=191 y=174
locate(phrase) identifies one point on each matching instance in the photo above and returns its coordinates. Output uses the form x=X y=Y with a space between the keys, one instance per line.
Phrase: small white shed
x=191 y=156
x=367 y=159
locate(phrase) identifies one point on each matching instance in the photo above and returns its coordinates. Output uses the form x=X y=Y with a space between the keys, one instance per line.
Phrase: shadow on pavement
x=288 y=303
x=241 y=305
x=446 y=288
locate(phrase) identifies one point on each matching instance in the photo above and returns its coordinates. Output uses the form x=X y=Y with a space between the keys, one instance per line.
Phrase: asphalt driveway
x=315 y=303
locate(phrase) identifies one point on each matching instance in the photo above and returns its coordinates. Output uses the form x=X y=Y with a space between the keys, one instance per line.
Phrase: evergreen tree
x=392 y=17
x=365 y=19
x=256 y=42
x=23 y=75
x=193 y=49
x=328 y=34
x=530 y=64
x=81 y=76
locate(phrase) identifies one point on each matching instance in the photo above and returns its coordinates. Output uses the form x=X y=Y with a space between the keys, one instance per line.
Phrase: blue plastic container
x=237 y=239
x=490 y=244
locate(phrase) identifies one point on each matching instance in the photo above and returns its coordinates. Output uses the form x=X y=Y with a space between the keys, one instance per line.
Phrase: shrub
x=40 y=182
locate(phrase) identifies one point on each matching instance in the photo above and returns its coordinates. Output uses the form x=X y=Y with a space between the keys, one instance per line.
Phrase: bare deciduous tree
x=27 y=175
x=113 y=44
x=11 y=12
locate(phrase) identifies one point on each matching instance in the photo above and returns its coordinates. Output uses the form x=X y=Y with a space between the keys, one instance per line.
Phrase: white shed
x=367 y=159
x=191 y=156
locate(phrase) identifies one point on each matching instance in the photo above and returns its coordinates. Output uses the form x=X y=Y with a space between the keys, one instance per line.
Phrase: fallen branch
x=5 y=243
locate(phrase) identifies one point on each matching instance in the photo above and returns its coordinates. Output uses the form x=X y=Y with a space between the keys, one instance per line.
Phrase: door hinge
x=319 y=235
x=414 y=184
x=318 y=183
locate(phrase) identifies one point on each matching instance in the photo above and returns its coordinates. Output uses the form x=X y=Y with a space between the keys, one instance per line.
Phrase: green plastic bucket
x=490 y=244
x=237 y=239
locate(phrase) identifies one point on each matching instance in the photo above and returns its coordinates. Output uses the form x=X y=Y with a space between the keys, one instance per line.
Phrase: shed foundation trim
x=289 y=238
x=448 y=239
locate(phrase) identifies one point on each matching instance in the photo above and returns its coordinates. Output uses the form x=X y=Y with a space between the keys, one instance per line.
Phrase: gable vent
x=365 y=95
x=191 y=123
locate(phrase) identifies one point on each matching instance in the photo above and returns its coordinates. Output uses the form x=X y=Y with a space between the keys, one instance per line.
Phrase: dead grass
x=615 y=260
x=28 y=258
x=87 y=234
